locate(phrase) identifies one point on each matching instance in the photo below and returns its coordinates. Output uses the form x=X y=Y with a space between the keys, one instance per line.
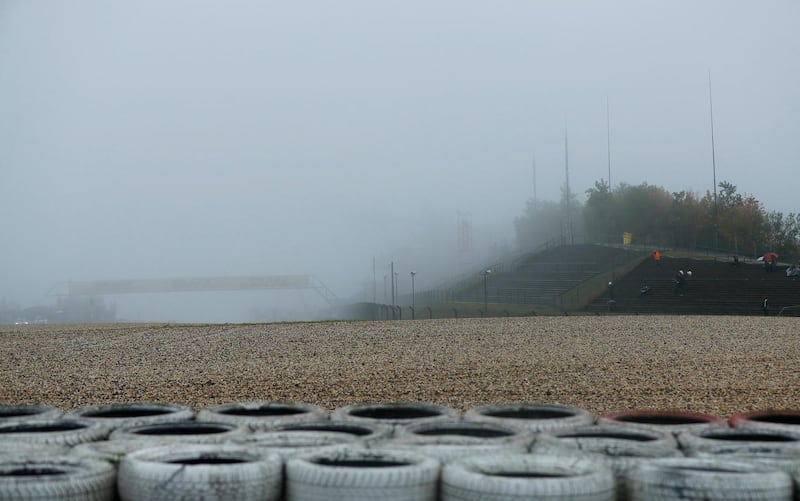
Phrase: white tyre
x=664 y=420
x=199 y=472
x=707 y=479
x=260 y=415
x=56 y=478
x=288 y=444
x=185 y=431
x=14 y=449
x=115 y=416
x=786 y=420
x=394 y=414
x=28 y=412
x=450 y=440
x=366 y=432
x=533 y=416
x=66 y=432
x=111 y=451
x=525 y=476
x=609 y=440
x=740 y=441
x=617 y=447
x=361 y=475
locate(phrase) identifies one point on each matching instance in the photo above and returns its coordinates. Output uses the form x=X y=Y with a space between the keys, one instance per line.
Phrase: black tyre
x=66 y=432
x=395 y=414
x=199 y=472
x=707 y=479
x=525 y=476
x=115 y=416
x=535 y=417
x=262 y=415
x=28 y=412
x=185 y=431
x=56 y=478
x=362 y=474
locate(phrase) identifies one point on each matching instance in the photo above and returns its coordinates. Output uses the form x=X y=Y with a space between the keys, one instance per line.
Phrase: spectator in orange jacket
x=657 y=257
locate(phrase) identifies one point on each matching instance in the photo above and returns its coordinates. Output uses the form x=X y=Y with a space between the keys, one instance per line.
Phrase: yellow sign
x=627 y=238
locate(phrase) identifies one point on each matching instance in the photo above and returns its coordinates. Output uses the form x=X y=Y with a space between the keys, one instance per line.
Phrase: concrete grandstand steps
x=540 y=279
x=715 y=287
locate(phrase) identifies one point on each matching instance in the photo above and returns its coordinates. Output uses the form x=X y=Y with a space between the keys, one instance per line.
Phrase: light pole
x=412 y=289
x=485 y=291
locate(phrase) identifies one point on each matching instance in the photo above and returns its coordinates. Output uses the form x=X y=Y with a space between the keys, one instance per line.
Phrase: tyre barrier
x=617 y=447
x=367 y=432
x=66 y=432
x=786 y=420
x=261 y=415
x=674 y=421
x=525 y=476
x=186 y=471
x=740 y=441
x=110 y=451
x=26 y=412
x=449 y=440
x=394 y=414
x=363 y=475
x=115 y=416
x=288 y=444
x=15 y=449
x=195 y=432
x=535 y=417
x=56 y=478
x=363 y=447
x=708 y=479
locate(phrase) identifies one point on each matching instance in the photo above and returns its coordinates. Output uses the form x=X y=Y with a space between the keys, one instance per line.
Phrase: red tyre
x=783 y=420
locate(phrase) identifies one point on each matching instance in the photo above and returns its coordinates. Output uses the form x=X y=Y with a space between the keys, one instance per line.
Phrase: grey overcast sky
x=203 y=138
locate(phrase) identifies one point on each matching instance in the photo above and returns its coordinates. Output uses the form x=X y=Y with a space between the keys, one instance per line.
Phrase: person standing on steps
x=765 y=307
x=657 y=257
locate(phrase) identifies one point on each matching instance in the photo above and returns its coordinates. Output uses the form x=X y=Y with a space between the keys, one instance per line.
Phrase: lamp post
x=485 y=291
x=412 y=289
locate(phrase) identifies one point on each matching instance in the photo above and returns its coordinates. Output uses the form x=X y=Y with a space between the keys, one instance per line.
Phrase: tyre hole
x=530 y=414
x=395 y=413
x=360 y=463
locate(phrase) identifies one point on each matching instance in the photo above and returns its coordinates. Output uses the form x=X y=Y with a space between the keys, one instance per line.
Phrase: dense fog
x=150 y=139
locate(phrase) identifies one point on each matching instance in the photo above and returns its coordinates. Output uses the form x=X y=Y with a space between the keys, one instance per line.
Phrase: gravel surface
x=711 y=364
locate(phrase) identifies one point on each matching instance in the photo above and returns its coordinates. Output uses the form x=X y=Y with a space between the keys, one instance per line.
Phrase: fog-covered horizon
x=200 y=138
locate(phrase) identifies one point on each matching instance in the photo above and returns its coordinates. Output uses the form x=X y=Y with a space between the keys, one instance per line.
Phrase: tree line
x=729 y=222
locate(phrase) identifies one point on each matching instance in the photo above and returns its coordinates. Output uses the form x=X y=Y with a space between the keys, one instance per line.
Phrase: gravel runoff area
x=712 y=364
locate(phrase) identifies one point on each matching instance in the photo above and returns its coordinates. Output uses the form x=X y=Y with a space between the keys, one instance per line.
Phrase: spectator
x=657 y=257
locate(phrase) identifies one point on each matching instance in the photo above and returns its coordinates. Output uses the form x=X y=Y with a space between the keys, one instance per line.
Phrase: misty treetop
x=737 y=223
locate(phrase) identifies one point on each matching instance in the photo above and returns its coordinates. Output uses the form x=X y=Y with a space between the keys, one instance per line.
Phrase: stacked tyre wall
x=402 y=451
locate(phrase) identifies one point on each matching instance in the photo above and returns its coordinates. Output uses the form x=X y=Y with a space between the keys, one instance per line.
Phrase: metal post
x=413 y=304
x=485 y=290
x=394 y=303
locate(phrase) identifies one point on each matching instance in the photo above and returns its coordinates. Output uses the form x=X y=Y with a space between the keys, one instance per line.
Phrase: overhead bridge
x=193 y=284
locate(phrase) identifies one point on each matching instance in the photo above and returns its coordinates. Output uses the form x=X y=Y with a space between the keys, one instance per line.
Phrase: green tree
x=599 y=214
